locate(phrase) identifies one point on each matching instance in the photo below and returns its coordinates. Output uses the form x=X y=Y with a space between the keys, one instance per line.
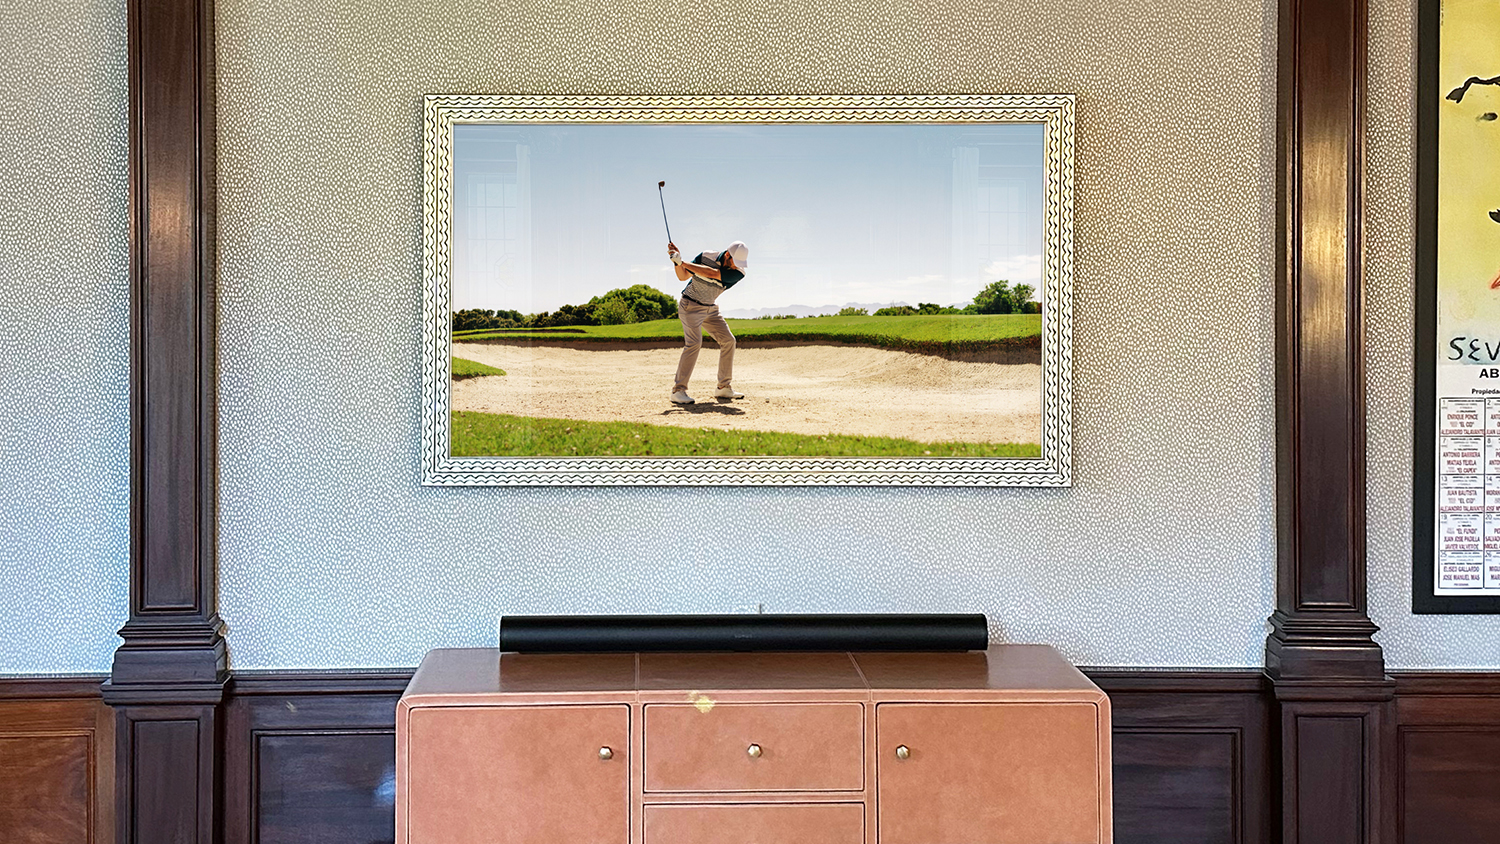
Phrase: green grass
x=948 y=333
x=571 y=329
x=472 y=369
x=499 y=435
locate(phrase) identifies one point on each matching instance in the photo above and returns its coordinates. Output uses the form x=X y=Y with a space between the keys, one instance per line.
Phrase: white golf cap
x=740 y=253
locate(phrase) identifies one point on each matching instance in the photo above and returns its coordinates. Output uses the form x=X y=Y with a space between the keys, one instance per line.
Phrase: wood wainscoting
x=57 y=761
x=1193 y=755
x=1448 y=758
x=308 y=757
x=311 y=757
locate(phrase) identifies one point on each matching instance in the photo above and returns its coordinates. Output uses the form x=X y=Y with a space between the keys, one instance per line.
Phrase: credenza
x=1010 y=745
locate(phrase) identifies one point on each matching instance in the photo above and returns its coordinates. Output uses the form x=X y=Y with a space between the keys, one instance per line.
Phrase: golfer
x=708 y=275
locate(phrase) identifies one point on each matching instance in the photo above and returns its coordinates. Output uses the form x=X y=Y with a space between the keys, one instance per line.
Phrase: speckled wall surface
x=1409 y=641
x=332 y=555
x=64 y=368
x=320 y=269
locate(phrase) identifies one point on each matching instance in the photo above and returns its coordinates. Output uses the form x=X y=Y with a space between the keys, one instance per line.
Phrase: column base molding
x=1323 y=649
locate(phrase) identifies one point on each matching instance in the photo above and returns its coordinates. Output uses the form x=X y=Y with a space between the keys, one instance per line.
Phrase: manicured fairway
x=963 y=332
x=492 y=434
x=472 y=369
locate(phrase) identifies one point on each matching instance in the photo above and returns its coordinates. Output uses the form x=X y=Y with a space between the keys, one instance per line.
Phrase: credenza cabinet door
x=1003 y=773
x=519 y=775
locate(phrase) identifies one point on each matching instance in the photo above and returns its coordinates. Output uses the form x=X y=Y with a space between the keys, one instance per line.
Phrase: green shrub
x=614 y=312
x=642 y=301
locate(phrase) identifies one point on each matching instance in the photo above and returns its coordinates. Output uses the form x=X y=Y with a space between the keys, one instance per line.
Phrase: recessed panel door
x=1005 y=773
x=518 y=775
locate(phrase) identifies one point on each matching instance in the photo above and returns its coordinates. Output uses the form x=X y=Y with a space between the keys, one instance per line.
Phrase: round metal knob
x=754 y=751
x=606 y=753
x=903 y=752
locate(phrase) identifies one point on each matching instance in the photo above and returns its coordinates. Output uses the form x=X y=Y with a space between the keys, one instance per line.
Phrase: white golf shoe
x=727 y=393
x=681 y=397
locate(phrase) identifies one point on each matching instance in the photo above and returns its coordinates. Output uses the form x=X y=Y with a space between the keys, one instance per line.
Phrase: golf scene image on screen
x=831 y=290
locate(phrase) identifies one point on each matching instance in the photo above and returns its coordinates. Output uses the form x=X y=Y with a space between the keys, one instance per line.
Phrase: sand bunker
x=798 y=389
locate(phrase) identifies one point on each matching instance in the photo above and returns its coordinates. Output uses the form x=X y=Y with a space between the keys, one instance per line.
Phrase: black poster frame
x=1424 y=418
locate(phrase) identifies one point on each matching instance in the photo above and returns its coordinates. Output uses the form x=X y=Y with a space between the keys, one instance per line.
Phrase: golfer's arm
x=699 y=270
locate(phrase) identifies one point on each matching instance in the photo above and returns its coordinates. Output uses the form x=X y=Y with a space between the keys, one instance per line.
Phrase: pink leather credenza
x=1005 y=746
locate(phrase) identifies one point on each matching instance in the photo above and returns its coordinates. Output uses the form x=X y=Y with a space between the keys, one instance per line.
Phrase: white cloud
x=1017 y=268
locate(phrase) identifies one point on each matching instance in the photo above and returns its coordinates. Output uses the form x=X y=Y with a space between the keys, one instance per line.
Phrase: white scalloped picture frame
x=1052 y=469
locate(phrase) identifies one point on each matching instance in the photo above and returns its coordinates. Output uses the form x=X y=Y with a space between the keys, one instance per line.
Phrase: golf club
x=659 y=186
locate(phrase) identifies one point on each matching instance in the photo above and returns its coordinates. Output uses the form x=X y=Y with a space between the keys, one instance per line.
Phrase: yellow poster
x=1467 y=532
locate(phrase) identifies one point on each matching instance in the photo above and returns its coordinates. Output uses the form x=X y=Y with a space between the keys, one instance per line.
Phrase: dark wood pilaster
x=1335 y=702
x=168 y=678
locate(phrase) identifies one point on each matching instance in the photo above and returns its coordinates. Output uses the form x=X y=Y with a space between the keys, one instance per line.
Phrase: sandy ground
x=797 y=389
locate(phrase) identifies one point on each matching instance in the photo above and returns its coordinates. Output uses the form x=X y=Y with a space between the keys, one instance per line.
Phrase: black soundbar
x=838 y=632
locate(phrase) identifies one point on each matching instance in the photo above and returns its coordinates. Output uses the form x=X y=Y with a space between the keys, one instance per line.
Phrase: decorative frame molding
x=1054 y=469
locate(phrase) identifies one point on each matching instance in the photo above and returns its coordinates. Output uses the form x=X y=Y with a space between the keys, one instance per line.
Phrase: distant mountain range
x=821 y=310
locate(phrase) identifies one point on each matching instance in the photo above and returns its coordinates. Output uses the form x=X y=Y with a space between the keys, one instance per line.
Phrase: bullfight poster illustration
x=1457 y=553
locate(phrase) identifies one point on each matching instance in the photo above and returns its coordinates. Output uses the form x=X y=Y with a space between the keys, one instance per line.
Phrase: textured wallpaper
x=64 y=369
x=1410 y=641
x=333 y=555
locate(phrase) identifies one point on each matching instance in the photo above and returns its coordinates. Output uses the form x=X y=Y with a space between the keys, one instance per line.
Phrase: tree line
x=998 y=297
x=643 y=303
x=638 y=303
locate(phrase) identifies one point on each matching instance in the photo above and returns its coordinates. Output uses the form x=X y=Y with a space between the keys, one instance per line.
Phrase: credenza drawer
x=993 y=773
x=755 y=747
x=803 y=823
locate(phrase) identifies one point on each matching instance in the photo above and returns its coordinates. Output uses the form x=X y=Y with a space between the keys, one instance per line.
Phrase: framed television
x=833 y=290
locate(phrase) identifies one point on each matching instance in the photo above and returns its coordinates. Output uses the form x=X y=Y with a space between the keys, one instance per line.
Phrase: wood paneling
x=162 y=756
x=1336 y=724
x=1192 y=753
x=56 y=762
x=173 y=371
x=326 y=786
x=1321 y=629
x=44 y=787
x=311 y=757
x=168 y=675
x=1450 y=785
x=168 y=767
x=1177 y=786
x=1448 y=727
x=1331 y=777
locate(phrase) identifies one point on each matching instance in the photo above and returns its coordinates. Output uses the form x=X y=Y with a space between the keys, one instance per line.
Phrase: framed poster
x=1456 y=500
x=748 y=291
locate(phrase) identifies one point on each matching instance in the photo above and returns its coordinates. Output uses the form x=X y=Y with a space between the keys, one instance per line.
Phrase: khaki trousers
x=695 y=318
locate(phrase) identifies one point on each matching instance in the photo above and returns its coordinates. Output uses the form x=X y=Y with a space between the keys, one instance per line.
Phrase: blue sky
x=833 y=214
